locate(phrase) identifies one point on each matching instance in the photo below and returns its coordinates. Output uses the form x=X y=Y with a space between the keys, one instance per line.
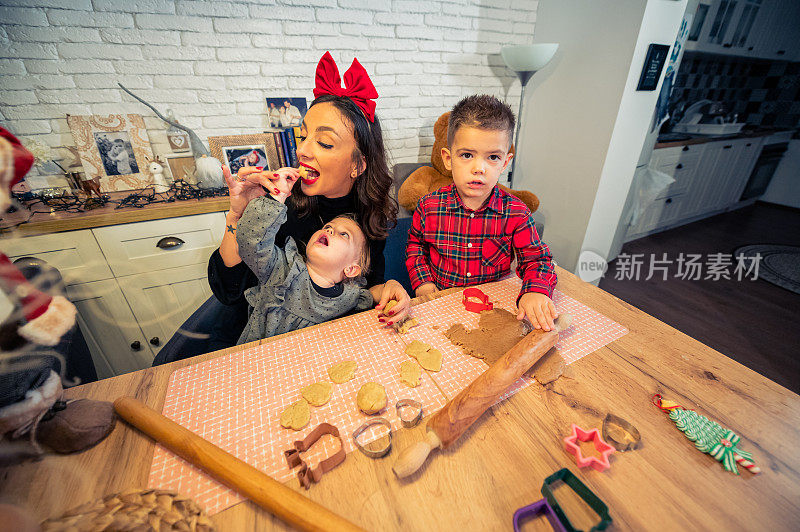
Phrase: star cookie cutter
x=305 y=474
x=476 y=306
x=605 y=450
x=540 y=507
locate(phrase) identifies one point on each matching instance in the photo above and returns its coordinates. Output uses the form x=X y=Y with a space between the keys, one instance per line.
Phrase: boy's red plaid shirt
x=451 y=245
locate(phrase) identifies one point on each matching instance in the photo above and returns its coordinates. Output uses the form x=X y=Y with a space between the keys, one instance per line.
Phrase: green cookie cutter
x=567 y=477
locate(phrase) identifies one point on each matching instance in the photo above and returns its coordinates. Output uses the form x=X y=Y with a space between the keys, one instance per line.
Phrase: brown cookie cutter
x=305 y=474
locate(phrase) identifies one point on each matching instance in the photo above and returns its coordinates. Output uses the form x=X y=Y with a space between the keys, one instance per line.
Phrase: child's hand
x=539 y=309
x=280 y=182
x=425 y=289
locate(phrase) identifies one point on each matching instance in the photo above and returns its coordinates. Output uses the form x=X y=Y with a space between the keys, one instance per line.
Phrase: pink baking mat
x=235 y=401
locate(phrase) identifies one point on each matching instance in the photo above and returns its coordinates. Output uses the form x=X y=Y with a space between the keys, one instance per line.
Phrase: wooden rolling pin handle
x=412 y=458
x=456 y=417
x=280 y=500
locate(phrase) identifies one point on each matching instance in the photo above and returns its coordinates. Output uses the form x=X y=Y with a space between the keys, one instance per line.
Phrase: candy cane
x=747 y=464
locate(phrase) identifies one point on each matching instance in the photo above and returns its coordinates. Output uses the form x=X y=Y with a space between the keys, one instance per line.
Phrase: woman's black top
x=229 y=283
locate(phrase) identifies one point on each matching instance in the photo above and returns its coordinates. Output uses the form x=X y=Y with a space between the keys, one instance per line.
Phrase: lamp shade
x=528 y=57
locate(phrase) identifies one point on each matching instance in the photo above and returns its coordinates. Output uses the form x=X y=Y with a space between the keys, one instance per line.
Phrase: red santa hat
x=15 y=161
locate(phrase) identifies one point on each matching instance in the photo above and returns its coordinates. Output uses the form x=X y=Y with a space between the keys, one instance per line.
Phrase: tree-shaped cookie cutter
x=605 y=450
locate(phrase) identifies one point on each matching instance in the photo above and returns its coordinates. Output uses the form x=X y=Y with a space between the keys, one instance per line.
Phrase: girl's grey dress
x=285 y=299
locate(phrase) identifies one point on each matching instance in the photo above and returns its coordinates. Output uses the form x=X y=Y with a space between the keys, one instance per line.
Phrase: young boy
x=291 y=293
x=466 y=233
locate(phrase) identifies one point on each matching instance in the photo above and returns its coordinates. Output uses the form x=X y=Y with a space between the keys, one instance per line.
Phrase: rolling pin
x=446 y=425
x=280 y=500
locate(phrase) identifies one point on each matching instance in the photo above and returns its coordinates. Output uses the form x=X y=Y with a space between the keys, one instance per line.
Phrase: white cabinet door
x=110 y=329
x=749 y=151
x=162 y=300
x=74 y=254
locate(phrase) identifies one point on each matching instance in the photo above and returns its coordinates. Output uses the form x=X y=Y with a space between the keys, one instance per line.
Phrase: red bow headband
x=358 y=87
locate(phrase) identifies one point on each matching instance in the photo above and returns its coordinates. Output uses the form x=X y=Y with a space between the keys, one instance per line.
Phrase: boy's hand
x=539 y=309
x=425 y=289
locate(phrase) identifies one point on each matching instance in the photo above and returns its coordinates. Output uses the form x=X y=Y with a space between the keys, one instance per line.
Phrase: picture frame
x=286 y=112
x=180 y=163
x=114 y=148
x=222 y=147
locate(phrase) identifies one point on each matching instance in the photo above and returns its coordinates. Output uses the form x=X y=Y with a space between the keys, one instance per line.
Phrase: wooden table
x=500 y=463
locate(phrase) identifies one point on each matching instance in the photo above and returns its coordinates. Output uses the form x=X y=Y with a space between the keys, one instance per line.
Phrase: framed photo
x=286 y=112
x=181 y=166
x=237 y=151
x=114 y=148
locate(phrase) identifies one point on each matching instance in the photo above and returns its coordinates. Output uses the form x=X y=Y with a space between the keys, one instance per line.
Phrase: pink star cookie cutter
x=604 y=449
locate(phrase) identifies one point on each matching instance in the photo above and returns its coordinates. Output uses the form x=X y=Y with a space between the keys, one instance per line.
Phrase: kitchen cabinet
x=114 y=338
x=767 y=29
x=709 y=178
x=128 y=289
x=163 y=300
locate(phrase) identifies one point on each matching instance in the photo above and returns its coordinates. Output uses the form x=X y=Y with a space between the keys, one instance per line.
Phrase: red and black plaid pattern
x=451 y=245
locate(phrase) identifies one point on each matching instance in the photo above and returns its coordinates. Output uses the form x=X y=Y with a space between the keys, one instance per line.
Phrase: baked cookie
x=410 y=372
x=296 y=416
x=318 y=393
x=343 y=371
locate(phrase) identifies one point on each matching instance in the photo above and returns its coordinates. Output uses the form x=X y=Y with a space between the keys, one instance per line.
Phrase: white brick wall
x=214 y=62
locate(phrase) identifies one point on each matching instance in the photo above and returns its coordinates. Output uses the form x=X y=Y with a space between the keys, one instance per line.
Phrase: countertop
x=499 y=464
x=44 y=221
x=702 y=139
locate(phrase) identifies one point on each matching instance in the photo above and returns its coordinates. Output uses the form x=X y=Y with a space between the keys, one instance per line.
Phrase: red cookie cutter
x=604 y=449
x=476 y=306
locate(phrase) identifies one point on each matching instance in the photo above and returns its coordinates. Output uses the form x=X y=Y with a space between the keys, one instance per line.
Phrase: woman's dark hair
x=377 y=209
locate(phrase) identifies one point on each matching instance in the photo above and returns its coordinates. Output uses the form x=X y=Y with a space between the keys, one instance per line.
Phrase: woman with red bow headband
x=344 y=170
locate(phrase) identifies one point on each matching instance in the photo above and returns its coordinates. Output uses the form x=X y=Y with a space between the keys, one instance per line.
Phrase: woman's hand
x=394 y=290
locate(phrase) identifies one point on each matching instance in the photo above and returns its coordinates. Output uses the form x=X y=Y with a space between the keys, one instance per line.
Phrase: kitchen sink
x=709 y=129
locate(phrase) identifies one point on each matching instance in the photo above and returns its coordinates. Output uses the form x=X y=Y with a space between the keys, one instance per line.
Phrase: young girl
x=292 y=294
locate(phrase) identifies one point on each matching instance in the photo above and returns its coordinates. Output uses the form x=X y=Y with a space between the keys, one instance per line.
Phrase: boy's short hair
x=482 y=111
x=363 y=259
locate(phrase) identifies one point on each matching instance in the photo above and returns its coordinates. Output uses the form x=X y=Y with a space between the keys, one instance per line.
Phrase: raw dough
x=548 y=368
x=389 y=306
x=343 y=371
x=296 y=416
x=406 y=325
x=498 y=331
x=430 y=360
x=371 y=398
x=318 y=393
x=416 y=347
x=410 y=372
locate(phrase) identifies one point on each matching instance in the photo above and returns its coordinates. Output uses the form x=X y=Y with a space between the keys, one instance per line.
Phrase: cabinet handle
x=727 y=147
x=749 y=48
x=155 y=341
x=680 y=165
x=136 y=345
x=685 y=148
x=169 y=242
x=749 y=144
x=25 y=262
x=781 y=52
x=727 y=45
x=669 y=200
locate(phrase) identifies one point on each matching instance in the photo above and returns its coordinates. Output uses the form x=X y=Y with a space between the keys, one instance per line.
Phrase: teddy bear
x=427 y=179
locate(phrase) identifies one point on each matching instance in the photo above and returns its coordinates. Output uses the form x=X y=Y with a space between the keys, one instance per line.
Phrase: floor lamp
x=525 y=60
